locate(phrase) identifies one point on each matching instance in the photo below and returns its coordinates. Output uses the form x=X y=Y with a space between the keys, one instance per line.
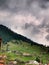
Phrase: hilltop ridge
x=7 y=35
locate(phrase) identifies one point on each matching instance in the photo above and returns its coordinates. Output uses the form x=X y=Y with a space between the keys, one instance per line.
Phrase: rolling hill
x=7 y=35
x=22 y=44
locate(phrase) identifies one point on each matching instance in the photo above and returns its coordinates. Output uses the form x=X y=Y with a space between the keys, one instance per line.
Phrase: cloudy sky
x=27 y=17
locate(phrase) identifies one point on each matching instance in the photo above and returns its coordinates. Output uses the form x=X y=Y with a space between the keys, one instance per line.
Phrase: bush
x=37 y=59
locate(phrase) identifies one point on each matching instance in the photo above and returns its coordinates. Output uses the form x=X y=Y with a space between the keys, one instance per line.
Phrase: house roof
x=48 y=64
x=1 y=61
x=1 y=64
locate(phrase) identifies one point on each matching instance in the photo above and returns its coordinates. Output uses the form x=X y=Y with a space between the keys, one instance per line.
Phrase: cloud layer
x=27 y=17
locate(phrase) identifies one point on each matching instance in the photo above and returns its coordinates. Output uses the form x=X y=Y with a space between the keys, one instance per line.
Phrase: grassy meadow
x=16 y=49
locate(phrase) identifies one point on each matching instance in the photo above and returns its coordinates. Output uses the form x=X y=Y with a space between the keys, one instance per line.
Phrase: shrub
x=37 y=59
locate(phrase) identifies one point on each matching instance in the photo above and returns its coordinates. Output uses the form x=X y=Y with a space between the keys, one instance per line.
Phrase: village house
x=0 y=44
x=48 y=64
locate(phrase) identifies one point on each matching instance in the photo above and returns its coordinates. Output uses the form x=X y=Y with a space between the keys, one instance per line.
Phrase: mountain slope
x=25 y=46
x=8 y=35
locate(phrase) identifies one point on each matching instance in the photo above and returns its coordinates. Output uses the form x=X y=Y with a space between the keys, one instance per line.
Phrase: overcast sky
x=29 y=18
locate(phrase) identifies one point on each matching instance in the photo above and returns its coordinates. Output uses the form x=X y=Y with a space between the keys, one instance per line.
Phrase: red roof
x=1 y=61
x=1 y=64
x=48 y=64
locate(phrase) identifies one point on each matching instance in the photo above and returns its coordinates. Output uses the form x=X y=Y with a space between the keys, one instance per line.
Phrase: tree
x=37 y=59
x=47 y=49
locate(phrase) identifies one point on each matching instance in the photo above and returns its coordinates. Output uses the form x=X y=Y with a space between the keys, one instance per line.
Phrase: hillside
x=19 y=44
x=7 y=35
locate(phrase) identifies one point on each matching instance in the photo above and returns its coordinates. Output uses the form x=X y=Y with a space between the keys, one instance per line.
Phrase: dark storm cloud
x=29 y=2
x=44 y=3
x=3 y=4
x=30 y=12
x=35 y=31
x=23 y=5
x=47 y=37
x=44 y=25
x=46 y=0
x=47 y=30
x=27 y=25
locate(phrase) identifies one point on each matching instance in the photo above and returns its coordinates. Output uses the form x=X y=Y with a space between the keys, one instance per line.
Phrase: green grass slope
x=22 y=45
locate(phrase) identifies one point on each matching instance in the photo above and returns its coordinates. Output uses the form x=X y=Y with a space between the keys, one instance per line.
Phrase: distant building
x=48 y=64
x=0 y=43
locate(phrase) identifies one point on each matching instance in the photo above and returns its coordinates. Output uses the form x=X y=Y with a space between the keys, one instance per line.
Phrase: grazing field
x=24 y=52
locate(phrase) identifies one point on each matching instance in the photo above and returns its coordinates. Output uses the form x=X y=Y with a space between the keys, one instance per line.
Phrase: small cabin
x=0 y=43
x=48 y=64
